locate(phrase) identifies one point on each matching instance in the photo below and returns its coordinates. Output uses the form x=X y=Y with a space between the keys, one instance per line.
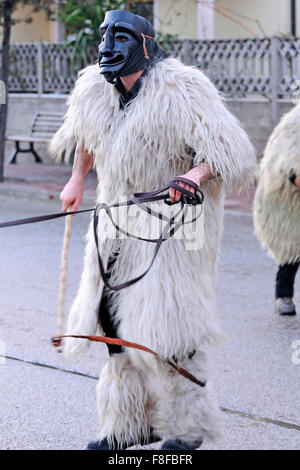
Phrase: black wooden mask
x=127 y=46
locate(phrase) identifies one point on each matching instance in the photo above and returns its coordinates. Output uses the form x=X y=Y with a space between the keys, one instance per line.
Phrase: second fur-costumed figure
x=277 y=206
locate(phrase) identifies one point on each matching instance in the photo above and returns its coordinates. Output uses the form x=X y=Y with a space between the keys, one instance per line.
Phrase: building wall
x=232 y=18
x=178 y=17
x=39 y=30
x=188 y=19
x=255 y=115
x=273 y=15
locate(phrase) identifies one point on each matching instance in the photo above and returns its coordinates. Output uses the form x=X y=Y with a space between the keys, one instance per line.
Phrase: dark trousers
x=107 y=311
x=285 y=279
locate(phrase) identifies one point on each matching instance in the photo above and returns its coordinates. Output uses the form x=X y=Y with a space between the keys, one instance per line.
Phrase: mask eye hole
x=121 y=38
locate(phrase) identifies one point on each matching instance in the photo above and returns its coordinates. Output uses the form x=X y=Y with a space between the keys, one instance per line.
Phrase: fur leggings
x=135 y=395
x=132 y=400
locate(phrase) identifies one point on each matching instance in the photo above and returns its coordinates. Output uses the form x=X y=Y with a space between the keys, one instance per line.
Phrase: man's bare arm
x=71 y=195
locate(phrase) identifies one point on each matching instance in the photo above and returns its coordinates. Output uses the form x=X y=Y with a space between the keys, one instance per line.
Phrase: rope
x=144 y=36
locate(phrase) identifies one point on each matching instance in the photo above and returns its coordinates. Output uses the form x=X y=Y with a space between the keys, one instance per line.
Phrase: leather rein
x=139 y=199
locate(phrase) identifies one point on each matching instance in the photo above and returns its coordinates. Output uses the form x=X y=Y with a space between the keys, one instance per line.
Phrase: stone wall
x=21 y=111
x=255 y=114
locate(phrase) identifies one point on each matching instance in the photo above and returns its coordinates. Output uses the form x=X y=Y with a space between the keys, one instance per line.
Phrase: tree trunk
x=8 y=9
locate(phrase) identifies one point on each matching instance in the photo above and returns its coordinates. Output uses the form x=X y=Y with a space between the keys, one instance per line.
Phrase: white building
x=227 y=19
x=191 y=19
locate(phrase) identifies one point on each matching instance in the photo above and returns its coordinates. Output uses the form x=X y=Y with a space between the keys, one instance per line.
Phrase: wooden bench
x=43 y=127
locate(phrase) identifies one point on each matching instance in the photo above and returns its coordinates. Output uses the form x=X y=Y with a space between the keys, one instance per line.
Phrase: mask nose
x=106 y=47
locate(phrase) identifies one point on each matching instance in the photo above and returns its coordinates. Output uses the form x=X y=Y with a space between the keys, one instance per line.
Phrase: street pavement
x=48 y=402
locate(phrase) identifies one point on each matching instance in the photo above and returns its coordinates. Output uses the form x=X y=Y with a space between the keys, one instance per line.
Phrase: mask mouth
x=106 y=61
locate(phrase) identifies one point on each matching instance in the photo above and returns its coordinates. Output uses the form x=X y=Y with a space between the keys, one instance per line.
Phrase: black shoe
x=104 y=445
x=177 y=444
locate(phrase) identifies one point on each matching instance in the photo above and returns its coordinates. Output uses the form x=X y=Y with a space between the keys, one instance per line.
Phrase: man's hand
x=71 y=195
x=197 y=174
x=294 y=179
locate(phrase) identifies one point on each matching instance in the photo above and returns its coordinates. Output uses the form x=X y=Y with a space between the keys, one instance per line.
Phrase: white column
x=156 y=25
x=206 y=19
x=58 y=27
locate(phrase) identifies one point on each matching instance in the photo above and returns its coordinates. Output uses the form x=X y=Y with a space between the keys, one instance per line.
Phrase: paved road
x=256 y=382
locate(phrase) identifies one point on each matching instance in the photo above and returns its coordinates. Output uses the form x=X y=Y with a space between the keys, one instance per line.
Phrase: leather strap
x=41 y=218
x=56 y=340
x=140 y=199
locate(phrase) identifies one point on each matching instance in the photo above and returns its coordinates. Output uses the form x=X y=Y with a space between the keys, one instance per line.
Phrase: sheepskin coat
x=177 y=120
x=277 y=200
x=172 y=309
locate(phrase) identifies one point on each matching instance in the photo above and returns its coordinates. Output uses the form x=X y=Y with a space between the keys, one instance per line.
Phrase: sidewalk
x=46 y=182
x=42 y=181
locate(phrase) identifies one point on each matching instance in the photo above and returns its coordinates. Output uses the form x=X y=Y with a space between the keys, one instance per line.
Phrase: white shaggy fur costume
x=172 y=309
x=277 y=200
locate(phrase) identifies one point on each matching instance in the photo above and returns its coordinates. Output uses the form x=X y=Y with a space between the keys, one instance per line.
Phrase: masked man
x=141 y=120
x=277 y=206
